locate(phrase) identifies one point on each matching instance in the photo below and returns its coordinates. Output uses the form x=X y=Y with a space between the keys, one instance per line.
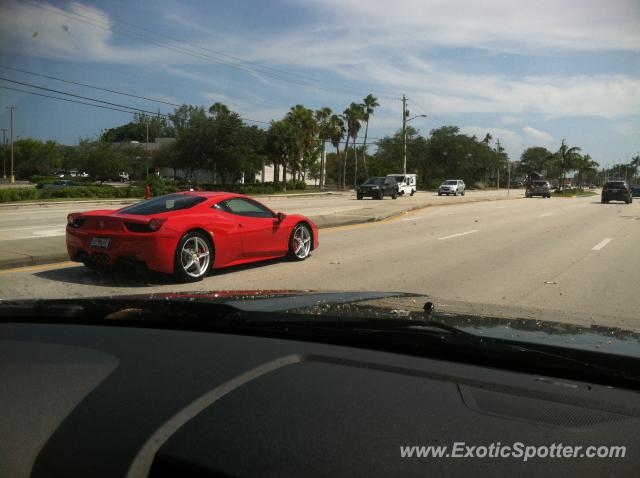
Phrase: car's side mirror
x=280 y=216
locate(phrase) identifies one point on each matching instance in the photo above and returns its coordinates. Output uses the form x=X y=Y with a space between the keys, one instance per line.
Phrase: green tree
x=353 y=115
x=337 y=131
x=323 y=117
x=566 y=159
x=370 y=103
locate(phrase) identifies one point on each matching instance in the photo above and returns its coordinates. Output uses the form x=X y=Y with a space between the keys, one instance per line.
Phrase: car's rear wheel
x=193 y=257
x=300 y=242
x=439 y=194
x=394 y=195
x=380 y=195
x=413 y=191
x=359 y=197
x=604 y=201
x=463 y=193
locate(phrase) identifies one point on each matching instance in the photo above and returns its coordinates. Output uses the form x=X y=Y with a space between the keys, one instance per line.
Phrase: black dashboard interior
x=105 y=401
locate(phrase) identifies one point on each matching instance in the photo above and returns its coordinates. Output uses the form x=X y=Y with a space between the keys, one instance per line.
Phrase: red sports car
x=188 y=233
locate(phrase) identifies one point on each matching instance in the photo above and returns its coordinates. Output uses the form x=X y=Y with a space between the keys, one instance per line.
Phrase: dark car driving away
x=538 y=188
x=635 y=190
x=616 y=191
x=378 y=188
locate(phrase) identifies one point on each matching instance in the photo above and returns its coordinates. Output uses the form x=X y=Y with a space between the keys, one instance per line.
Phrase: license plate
x=102 y=242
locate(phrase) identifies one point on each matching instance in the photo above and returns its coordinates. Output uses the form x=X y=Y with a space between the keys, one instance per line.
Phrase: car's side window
x=247 y=208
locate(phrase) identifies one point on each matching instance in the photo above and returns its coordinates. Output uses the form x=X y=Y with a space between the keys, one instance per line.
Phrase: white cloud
x=537 y=135
x=589 y=25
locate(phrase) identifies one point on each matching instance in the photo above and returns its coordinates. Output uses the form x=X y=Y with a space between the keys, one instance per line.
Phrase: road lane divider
x=547 y=214
x=601 y=244
x=459 y=234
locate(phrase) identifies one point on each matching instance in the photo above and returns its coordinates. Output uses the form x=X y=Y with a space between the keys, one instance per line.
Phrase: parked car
x=538 y=188
x=616 y=191
x=378 y=188
x=123 y=176
x=452 y=186
x=407 y=183
x=635 y=190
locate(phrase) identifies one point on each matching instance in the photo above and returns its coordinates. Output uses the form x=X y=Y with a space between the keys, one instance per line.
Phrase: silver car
x=452 y=186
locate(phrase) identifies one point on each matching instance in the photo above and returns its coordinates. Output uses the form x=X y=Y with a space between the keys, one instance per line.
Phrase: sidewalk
x=22 y=253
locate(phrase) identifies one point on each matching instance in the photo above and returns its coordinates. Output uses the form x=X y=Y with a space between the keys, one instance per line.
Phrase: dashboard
x=105 y=401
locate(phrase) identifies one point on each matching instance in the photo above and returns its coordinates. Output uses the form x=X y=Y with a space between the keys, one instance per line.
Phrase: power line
x=155 y=114
x=77 y=83
x=206 y=57
x=80 y=96
x=66 y=99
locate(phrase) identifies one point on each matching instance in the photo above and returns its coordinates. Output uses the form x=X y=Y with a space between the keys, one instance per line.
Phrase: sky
x=529 y=73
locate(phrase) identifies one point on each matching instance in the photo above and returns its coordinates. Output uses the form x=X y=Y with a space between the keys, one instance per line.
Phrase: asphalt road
x=34 y=234
x=554 y=254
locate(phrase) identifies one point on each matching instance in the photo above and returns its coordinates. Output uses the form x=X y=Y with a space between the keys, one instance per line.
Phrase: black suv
x=616 y=191
x=378 y=188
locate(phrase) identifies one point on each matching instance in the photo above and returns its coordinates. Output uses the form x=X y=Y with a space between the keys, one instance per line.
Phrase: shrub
x=89 y=192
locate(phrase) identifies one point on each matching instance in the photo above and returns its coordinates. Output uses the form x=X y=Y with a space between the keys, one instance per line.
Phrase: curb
x=33 y=261
x=132 y=200
x=27 y=261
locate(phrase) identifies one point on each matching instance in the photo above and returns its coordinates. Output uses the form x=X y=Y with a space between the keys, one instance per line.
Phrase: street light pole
x=146 y=147
x=4 y=160
x=12 y=177
x=405 y=113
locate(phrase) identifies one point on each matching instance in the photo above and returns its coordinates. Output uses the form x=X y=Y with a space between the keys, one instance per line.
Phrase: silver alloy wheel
x=195 y=256
x=301 y=242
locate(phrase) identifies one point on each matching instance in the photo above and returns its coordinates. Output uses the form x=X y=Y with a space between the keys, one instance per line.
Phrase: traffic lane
x=518 y=263
x=49 y=220
x=42 y=221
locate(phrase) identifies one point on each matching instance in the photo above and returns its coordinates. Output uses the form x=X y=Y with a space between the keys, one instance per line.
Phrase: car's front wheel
x=300 y=242
x=394 y=195
x=359 y=197
x=193 y=257
x=413 y=191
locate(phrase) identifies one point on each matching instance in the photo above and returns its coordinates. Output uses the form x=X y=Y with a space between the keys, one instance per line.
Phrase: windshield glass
x=170 y=202
x=377 y=181
x=298 y=116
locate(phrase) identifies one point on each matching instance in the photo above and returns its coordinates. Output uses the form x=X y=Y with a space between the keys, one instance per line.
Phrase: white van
x=407 y=183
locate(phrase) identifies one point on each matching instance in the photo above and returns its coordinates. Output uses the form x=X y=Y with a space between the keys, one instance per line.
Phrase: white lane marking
x=50 y=232
x=601 y=244
x=547 y=214
x=459 y=234
x=414 y=218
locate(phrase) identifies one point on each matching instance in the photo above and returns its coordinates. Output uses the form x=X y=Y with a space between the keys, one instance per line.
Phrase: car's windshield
x=170 y=202
x=326 y=132
x=377 y=181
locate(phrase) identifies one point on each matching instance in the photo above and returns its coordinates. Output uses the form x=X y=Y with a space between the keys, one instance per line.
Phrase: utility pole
x=498 y=153
x=4 y=160
x=508 y=177
x=12 y=177
x=405 y=113
x=146 y=147
x=355 y=174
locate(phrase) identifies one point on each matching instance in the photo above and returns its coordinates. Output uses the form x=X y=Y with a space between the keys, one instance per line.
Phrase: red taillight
x=156 y=223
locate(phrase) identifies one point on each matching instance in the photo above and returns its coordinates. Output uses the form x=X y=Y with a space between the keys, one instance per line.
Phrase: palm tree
x=354 y=114
x=567 y=156
x=304 y=129
x=324 y=133
x=336 y=133
x=370 y=102
x=635 y=164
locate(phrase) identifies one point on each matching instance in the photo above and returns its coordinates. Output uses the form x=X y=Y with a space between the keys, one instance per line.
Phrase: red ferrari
x=188 y=233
